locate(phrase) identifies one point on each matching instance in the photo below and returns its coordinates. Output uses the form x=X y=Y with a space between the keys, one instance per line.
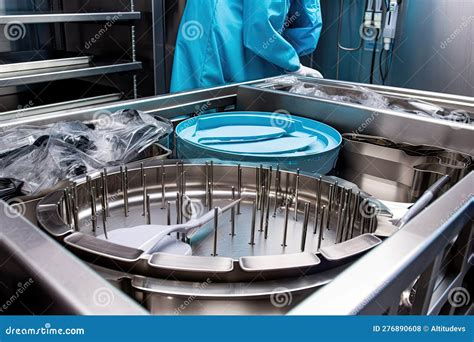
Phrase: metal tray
x=35 y=60
x=277 y=231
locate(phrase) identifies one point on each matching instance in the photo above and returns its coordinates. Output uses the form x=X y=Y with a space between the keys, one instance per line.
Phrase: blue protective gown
x=226 y=41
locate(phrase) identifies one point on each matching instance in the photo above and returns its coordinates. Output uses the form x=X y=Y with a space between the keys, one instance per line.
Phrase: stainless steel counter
x=428 y=234
x=52 y=280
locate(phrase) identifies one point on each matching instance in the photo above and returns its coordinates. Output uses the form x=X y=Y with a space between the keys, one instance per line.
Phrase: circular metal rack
x=268 y=231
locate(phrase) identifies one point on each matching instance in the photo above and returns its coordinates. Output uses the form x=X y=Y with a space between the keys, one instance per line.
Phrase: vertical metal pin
x=252 y=227
x=347 y=198
x=232 y=215
x=321 y=227
x=104 y=223
x=341 y=214
x=211 y=186
x=144 y=193
x=178 y=208
x=285 y=229
x=102 y=198
x=297 y=186
x=143 y=183
x=168 y=213
x=76 y=219
x=335 y=194
x=93 y=210
x=330 y=202
x=318 y=204
x=305 y=226
x=106 y=192
x=102 y=192
x=163 y=187
x=257 y=187
x=349 y=211
x=347 y=218
x=210 y=199
x=267 y=214
x=122 y=179
x=148 y=211
x=269 y=179
x=72 y=203
x=262 y=207
x=67 y=205
x=267 y=201
x=125 y=191
x=216 y=225
x=239 y=186
x=183 y=202
x=277 y=188
x=327 y=218
x=206 y=176
x=261 y=185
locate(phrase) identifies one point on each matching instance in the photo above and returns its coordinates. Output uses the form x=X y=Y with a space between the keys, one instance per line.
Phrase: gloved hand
x=308 y=72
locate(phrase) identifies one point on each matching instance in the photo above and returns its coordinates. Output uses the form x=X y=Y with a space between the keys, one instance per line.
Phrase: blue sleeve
x=264 y=23
x=304 y=25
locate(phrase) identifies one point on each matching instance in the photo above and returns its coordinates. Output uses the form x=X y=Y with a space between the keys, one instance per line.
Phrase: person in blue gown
x=228 y=41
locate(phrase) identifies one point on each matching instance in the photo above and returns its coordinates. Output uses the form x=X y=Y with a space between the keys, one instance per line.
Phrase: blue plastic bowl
x=259 y=137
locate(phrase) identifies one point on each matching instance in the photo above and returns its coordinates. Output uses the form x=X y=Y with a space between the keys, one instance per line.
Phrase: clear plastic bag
x=285 y=80
x=69 y=149
x=32 y=165
x=14 y=138
x=365 y=96
x=369 y=98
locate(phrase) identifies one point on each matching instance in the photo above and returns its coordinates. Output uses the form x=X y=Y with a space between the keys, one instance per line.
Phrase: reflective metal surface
x=36 y=18
x=67 y=105
x=55 y=277
x=398 y=99
x=421 y=247
x=15 y=62
x=347 y=118
x=99 y=209
x=248 y=291
x=171 y=106
x=360 y=243
x=53 y=74
x=405 y=170
x=231 y=264
x=117 y=36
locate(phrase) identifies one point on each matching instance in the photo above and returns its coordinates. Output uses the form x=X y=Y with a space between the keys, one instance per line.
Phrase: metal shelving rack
x=62 y=73
x=24 y=68
x=68 y=17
